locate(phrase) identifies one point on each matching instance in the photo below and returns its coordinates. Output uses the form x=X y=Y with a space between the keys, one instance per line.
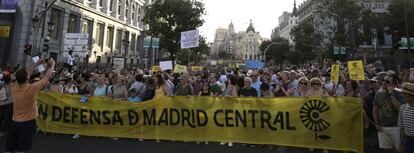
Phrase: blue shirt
x=100 y=91
x=256 y=85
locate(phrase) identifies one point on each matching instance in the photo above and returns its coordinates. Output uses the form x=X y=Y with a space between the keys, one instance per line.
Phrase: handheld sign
x=356 y=70
x=196 y=68
x=180 y=68
x=156 y=68
x=190 y=39
x=166 y=65
x=335 y=73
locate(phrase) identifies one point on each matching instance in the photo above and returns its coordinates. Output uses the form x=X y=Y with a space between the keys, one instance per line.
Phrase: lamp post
x=39 y=21
x=265 y=51
x=126 y=43
x=153 y=22
x=407 y=32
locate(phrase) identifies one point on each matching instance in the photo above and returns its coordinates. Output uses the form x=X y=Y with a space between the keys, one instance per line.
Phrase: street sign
x=4 y=31
x=343 y=50
x=336 y=50
x=404 y=43
x=8 y=6
x=77 y=42
x=118 y=63
x=190 y=39
x=155 y=42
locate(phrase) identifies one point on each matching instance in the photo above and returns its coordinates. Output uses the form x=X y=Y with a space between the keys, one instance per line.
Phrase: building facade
x=287 y=21
x=114 y=28
x=243 y=45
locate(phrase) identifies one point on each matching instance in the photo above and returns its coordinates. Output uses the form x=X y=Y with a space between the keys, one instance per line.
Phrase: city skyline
x=264 y=14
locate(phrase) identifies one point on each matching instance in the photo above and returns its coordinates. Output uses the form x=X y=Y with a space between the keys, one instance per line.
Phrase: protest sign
x=190 y=39
x=196 y=68
x=180 y=68
x=356 y=70
x=156 y=68
x=325 y=123
x=213 y=62
x=335 y=73
x=166 y=65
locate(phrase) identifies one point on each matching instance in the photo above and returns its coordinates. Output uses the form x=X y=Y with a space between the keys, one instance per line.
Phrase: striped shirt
x=406 y=119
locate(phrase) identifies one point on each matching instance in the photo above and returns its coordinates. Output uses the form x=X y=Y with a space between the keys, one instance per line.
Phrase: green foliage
x=168 y=20
x=396 y=19
x=342 y=19
x=277 y=52
x=307 y=40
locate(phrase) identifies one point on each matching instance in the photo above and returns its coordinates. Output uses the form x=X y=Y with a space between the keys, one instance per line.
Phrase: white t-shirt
x=69 y=59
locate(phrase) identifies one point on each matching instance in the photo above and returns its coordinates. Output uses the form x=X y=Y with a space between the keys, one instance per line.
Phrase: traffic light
x=396 y=40
x=46 y=44
x=28 y=49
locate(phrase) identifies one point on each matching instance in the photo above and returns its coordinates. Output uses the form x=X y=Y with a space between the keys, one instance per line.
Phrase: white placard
x=40 y=67
x=166 y=65
x=119 y=63
x=190 y=39
x=213 y=62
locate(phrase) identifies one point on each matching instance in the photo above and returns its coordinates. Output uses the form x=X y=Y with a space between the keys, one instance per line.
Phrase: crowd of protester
x=382 y=101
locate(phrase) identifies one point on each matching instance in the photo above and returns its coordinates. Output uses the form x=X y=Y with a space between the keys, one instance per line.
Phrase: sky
x=263 y=13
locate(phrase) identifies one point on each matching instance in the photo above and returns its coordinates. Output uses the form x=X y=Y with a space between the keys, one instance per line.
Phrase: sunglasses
x=304 y=83
x=318 y=84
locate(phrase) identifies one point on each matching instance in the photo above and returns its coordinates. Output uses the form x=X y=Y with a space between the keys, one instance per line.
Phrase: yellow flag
x=325 y=123
x=356 y=70
x=156 y=68
x=220 y=61
x=335 y=73
x=196 y=68
x=180 y=68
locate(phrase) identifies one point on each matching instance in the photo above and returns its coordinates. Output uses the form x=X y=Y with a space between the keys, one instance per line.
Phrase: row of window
x=374 y=5
x=87 y=26
x=125 y=10
x=251 y=57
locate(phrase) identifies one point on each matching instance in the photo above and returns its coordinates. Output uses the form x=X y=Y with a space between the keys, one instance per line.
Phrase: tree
x=278 y=50
x=168 y=20
x=307 y=40
x=395 y=18
x=340 y=18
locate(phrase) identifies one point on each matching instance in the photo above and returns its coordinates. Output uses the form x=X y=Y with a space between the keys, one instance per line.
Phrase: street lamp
x=265 y=51
x=35 y=21
x=50 y=26
x=126 y=45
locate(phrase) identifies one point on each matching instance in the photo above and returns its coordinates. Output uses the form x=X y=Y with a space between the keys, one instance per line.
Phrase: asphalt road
x=57 y=143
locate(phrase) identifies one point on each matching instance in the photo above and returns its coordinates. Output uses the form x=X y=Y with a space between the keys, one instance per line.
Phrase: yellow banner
x=196 y=68
x=156 y=68
x=335 y=73
x=180 y=68
x=4 y=31
x=329 y=123
x=356 y=70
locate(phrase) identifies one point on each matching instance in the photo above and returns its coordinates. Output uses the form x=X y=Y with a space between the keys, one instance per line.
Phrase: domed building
x=243 y=45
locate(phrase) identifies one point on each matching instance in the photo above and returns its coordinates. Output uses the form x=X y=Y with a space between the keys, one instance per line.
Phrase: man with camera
x=24 y=94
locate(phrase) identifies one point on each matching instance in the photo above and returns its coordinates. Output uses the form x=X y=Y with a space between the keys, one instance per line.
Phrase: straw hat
x=407 y=88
